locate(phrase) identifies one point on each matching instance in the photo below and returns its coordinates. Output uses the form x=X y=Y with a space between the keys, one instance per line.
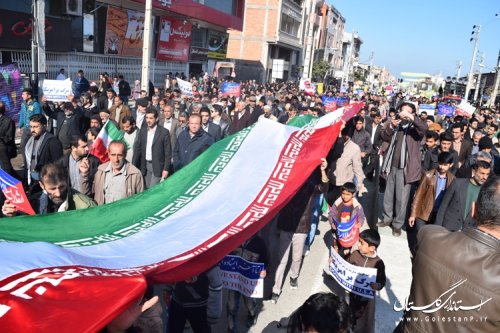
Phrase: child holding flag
x=346 y=218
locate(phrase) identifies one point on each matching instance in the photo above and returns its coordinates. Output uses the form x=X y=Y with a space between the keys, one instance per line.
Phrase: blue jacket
x=27 y=110
x=187 y=148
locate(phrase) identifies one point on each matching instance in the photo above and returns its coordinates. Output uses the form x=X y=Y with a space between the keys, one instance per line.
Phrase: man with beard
x=42 y=148
x=119 y=111
x=152 y=150
x=56 y=196
x=29 y=107
x=129 y=134
x=118 y=178
x=402 y=164
x=455 y=211
x=80 y=165
x=69 y=123
x=88 y=108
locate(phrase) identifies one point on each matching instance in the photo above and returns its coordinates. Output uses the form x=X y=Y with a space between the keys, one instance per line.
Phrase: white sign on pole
x=352 y=278
x=57 y=90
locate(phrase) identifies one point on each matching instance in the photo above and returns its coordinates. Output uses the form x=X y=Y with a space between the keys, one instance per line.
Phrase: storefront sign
x=198 y=54
x=174 y=39
x=16 y=32
x=124 y=32
x=217 y=44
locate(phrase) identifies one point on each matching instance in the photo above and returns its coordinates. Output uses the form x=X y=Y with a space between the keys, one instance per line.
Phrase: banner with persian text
x=174 y=39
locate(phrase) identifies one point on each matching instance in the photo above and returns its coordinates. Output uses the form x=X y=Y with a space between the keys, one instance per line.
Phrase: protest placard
x=446 y=110
x=330 y=103
x=307 y=86
x=241 y=275
x=185 y=87
x=465 y=109
x=57 y=90
x=342 y=101
x=429 y=108
x=230 y=89
x=352 y=278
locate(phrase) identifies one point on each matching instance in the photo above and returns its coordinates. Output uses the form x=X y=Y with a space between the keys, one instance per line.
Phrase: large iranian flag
x=77 y=270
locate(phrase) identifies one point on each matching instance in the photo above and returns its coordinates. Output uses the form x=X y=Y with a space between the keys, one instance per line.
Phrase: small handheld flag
x=14 y=192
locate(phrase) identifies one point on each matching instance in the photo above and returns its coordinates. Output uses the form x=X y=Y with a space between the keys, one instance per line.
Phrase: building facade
x=189 y=36
x=331 y=37
x=270 y=41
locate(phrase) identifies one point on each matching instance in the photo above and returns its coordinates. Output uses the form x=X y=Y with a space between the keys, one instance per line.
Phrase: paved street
x=274 y=317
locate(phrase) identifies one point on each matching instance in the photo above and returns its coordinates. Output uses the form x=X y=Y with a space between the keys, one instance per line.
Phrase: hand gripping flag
x=75 y=271
x=14 y=192
x=108 y=133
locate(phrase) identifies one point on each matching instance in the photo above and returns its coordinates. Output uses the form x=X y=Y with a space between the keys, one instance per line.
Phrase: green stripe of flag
x=97 y=225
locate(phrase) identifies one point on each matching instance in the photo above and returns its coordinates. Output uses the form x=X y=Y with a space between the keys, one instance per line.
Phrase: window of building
x=198 y=37
x=225 y=6
x=289 y=25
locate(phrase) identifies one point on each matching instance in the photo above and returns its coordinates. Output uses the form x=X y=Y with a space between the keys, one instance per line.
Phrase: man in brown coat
x=118 y=111
x=428 y=197
x=118 y=178
x=455 y=285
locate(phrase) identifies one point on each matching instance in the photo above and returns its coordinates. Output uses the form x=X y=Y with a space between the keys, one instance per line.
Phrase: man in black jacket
x=208 y=126
x=455 y=211
x=152 y=150
x=42 y=148
x=69 y=122
x=80 y=165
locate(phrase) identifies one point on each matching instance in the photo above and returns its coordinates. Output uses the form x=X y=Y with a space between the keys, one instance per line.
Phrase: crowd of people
x=430 y=170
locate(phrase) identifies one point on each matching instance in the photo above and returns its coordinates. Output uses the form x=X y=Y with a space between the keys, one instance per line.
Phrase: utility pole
x=478 y=83
x=309 y=41
x=370 y=71
x=493 y=96
x=459 y=69
x=38 y=45
x=146 y=42
x=477 y=32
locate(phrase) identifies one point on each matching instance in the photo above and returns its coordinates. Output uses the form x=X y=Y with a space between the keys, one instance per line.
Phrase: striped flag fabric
x=109 y=132
x=75 y=271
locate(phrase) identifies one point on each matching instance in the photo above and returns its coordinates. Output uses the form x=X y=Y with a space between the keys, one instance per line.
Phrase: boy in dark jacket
x=363 y=309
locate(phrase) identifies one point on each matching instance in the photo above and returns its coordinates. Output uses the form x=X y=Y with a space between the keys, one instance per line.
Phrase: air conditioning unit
x=73 y=7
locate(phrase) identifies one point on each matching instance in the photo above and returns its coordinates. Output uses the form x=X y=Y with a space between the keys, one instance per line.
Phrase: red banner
x=174 y=40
